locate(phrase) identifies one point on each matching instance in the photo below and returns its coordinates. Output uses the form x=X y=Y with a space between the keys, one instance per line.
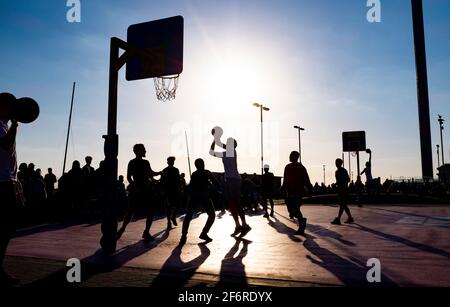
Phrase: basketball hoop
x=166 y=87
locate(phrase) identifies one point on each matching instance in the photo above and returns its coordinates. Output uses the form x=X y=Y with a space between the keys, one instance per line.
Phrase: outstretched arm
x=214 y=153
x=154 y=174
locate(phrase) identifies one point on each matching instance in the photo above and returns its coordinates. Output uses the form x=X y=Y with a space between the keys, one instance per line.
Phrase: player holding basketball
x=9 y=185
x=233 y=181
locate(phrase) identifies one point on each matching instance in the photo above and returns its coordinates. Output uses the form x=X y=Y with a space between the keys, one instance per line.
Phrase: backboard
x=163 y=41
x=354 y=141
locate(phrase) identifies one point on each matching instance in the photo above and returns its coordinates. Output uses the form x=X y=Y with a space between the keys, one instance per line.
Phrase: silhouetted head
x=200 y=164
x=121 y=179
x=139 y=150
x=367 y=164
x=294 y=156
x=339 y=163
x=266 y=168
x=6 y=103
x=76 y=164
x=171 y=161
x=31 y=167
x=50 y=170
x=23 y=167
x=88 y=160
x=38 y=172
x=183 y=175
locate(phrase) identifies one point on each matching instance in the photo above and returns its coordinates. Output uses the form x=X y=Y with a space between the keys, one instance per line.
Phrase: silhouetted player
x=233 y=182
x=139 y=176
x=50 y=180
x=296 y=183
x=171 y=182
x=201 y=179
x=267 y=189
x=342 y=180
x=9 y=186
x=368 y=172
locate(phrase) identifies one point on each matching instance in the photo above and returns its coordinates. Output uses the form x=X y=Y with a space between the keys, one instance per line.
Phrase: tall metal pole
x=188 y=154
x=111 y=149
x=441 y=128
x=262 y=146
x=68 y=128
x=262 y=108
x=350 y=164
x=324 y=176
x=422 y=89
x=300 y=129
x=439 y=162
x=357 y=166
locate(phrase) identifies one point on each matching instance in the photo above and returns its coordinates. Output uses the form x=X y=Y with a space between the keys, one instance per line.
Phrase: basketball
x=217 y=132
x=26 y=110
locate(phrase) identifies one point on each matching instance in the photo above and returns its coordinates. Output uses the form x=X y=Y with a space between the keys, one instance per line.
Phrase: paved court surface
x=412 y=243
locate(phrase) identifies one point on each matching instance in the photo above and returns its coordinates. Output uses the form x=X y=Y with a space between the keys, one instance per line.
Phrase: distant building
x=444 y=173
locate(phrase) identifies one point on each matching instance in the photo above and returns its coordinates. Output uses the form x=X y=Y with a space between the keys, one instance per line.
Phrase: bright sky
x=318 y=64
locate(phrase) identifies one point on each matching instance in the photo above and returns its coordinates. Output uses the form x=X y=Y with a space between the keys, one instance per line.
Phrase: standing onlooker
x=50 y=180
x=267 y=189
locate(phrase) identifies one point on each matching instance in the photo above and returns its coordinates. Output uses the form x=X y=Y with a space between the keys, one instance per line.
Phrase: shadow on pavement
x=176 y=273
x=101 y=263
x=350 y=273
x=394 y=238
x=232 y=270
x=284 y=229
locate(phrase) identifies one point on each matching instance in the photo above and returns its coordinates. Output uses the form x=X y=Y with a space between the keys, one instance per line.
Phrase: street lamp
x=262 y=109
x=441 y=126
x=300 y=129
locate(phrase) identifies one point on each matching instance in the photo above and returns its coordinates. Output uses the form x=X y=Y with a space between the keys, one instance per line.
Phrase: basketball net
x=166 y=87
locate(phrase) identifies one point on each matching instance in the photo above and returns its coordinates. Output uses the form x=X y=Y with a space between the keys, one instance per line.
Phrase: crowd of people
x=76 y=194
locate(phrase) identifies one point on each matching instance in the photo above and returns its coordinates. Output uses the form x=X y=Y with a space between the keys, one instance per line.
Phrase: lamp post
x=262 y=109
x=300 y=129
x=441 y=128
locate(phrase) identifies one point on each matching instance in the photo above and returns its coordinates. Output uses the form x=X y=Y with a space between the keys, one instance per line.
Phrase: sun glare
x=236 y=78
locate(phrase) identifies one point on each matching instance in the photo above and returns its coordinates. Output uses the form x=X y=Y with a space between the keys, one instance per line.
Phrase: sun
x=234 y=78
